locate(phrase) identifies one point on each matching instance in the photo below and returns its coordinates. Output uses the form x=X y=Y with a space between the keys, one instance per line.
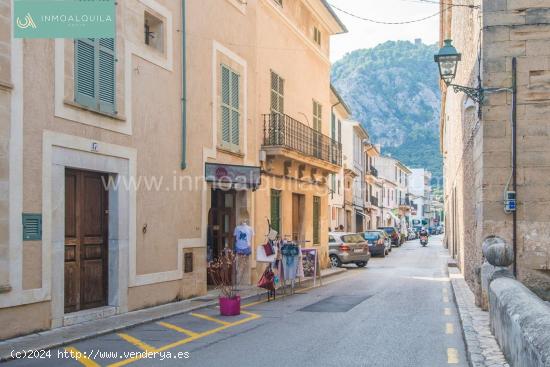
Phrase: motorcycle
x=424 y=240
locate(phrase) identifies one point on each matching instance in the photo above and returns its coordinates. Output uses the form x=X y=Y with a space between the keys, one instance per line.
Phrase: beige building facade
x=477 y=139
x=108 y=195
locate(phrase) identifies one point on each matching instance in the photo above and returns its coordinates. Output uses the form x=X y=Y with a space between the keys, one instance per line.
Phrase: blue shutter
x=107 y=78
x=84 y=72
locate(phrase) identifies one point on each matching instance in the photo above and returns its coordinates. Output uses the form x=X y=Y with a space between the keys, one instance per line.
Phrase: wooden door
x=297 y=216
x=86 y=246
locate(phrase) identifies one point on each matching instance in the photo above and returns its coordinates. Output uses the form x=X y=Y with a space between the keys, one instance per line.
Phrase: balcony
x=286 y=136
x=374 y=201
x=373 y=171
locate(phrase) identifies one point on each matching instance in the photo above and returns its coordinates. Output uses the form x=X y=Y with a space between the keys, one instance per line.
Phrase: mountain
x=393 y=90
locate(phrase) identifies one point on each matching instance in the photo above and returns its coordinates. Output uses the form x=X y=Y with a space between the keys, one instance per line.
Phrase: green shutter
x=316 y=213
x=106 y=84
x=32 y=227
x=95 y=70
x=276 y=210
x=230 y=108
x=85 y=71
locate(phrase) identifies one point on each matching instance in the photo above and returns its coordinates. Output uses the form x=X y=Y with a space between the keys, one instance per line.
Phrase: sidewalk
x=481 y=346
x=71 y=334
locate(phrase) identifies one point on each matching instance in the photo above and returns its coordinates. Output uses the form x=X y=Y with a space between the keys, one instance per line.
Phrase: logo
x=64 y=18
x=26 y=23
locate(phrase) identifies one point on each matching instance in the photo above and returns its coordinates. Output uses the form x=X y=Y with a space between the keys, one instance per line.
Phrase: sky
x=362 y=34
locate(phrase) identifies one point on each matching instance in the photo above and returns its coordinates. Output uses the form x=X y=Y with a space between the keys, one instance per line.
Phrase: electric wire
x=389 y=23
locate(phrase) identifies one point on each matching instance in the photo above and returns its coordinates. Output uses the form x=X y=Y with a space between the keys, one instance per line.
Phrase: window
x=280 y=2
x=153 y=32
x=276 y=210
x=317 y=36
x=94 y=74
x=230 y=108
x=316 y=223
x=333 y=126
x=277 y=93
x=339 y=132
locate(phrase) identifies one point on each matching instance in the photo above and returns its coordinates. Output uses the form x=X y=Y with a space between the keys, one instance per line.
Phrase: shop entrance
x=298 y=208
x=221 y=223
x=86 y=245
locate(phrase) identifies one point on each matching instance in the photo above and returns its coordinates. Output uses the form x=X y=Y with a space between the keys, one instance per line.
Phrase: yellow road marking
x=449 y=328
x=452 y=356
x=253 y=316
x=213 y=319
x=138 y=343
x=253 y=303
x=81 y=358
x=177 y=328
x=447 y=311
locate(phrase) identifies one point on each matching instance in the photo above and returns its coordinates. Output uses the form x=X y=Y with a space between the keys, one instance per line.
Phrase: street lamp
x=447 y=59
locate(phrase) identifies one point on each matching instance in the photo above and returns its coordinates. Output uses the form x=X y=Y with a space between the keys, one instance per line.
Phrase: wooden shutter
x=276 y=210
x=85 y=72
x=95 y=82
x=235 y=113
x=106 y=75
x=316 y=213
x=277 y=93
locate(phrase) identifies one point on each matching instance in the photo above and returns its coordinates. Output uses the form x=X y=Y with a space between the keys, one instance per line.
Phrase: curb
x=53 y=338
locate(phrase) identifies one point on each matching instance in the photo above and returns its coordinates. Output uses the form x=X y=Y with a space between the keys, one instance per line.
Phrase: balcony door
x=317 y=127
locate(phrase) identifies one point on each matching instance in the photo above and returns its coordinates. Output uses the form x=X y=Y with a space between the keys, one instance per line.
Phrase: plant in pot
x=223 y=272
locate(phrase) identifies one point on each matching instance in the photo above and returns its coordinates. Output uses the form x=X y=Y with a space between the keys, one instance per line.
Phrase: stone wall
x=521 y=29
x=521 y=323
x=477 y=151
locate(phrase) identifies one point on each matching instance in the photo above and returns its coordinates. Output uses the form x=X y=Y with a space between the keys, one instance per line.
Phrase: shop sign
x=238 y=177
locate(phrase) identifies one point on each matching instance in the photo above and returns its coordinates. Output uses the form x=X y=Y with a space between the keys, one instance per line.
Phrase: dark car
x=394 y=235
x=379 y=242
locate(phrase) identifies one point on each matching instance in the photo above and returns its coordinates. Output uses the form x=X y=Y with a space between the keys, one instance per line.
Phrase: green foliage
x=393 y=89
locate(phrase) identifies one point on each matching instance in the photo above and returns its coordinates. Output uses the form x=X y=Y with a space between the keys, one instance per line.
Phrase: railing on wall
x=284 y=131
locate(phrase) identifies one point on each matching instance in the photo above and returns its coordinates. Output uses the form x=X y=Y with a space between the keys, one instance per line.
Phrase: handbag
x=267 y=280
x=268 y=249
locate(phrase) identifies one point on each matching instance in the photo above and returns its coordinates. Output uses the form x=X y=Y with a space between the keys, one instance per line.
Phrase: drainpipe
x=183 y=88
x=514 y=160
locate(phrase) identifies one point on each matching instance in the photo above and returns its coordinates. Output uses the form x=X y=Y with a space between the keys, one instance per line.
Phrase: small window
x=153 y=32
x=317 y=36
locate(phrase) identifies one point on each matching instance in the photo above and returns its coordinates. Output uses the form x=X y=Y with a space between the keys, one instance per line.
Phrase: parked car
x=379 y=242
x=394 y=235
x=347 y=248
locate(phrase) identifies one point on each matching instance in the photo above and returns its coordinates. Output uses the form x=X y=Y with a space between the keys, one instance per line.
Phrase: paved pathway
x=482 y=347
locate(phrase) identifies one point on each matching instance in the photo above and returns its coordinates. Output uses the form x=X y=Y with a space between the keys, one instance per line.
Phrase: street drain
x=335 y=304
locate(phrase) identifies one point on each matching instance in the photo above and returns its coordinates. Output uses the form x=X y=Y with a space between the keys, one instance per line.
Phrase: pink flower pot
x=230 y=306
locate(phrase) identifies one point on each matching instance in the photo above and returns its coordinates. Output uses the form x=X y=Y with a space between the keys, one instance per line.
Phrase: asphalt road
x=398 y=311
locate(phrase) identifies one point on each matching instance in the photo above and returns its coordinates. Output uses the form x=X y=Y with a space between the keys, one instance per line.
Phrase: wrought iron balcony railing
x=374 y=200
x=373 y=171
x=284 y=131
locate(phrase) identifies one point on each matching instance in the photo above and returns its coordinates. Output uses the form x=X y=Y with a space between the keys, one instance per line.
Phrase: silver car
x=347 y=248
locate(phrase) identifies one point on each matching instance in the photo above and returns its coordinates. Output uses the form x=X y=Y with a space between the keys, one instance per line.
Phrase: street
x=398 y=311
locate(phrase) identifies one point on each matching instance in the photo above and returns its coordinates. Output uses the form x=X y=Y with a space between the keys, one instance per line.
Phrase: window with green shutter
x=316 y=219
x=276 y=210
x=95 y=74
x=230 y=109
